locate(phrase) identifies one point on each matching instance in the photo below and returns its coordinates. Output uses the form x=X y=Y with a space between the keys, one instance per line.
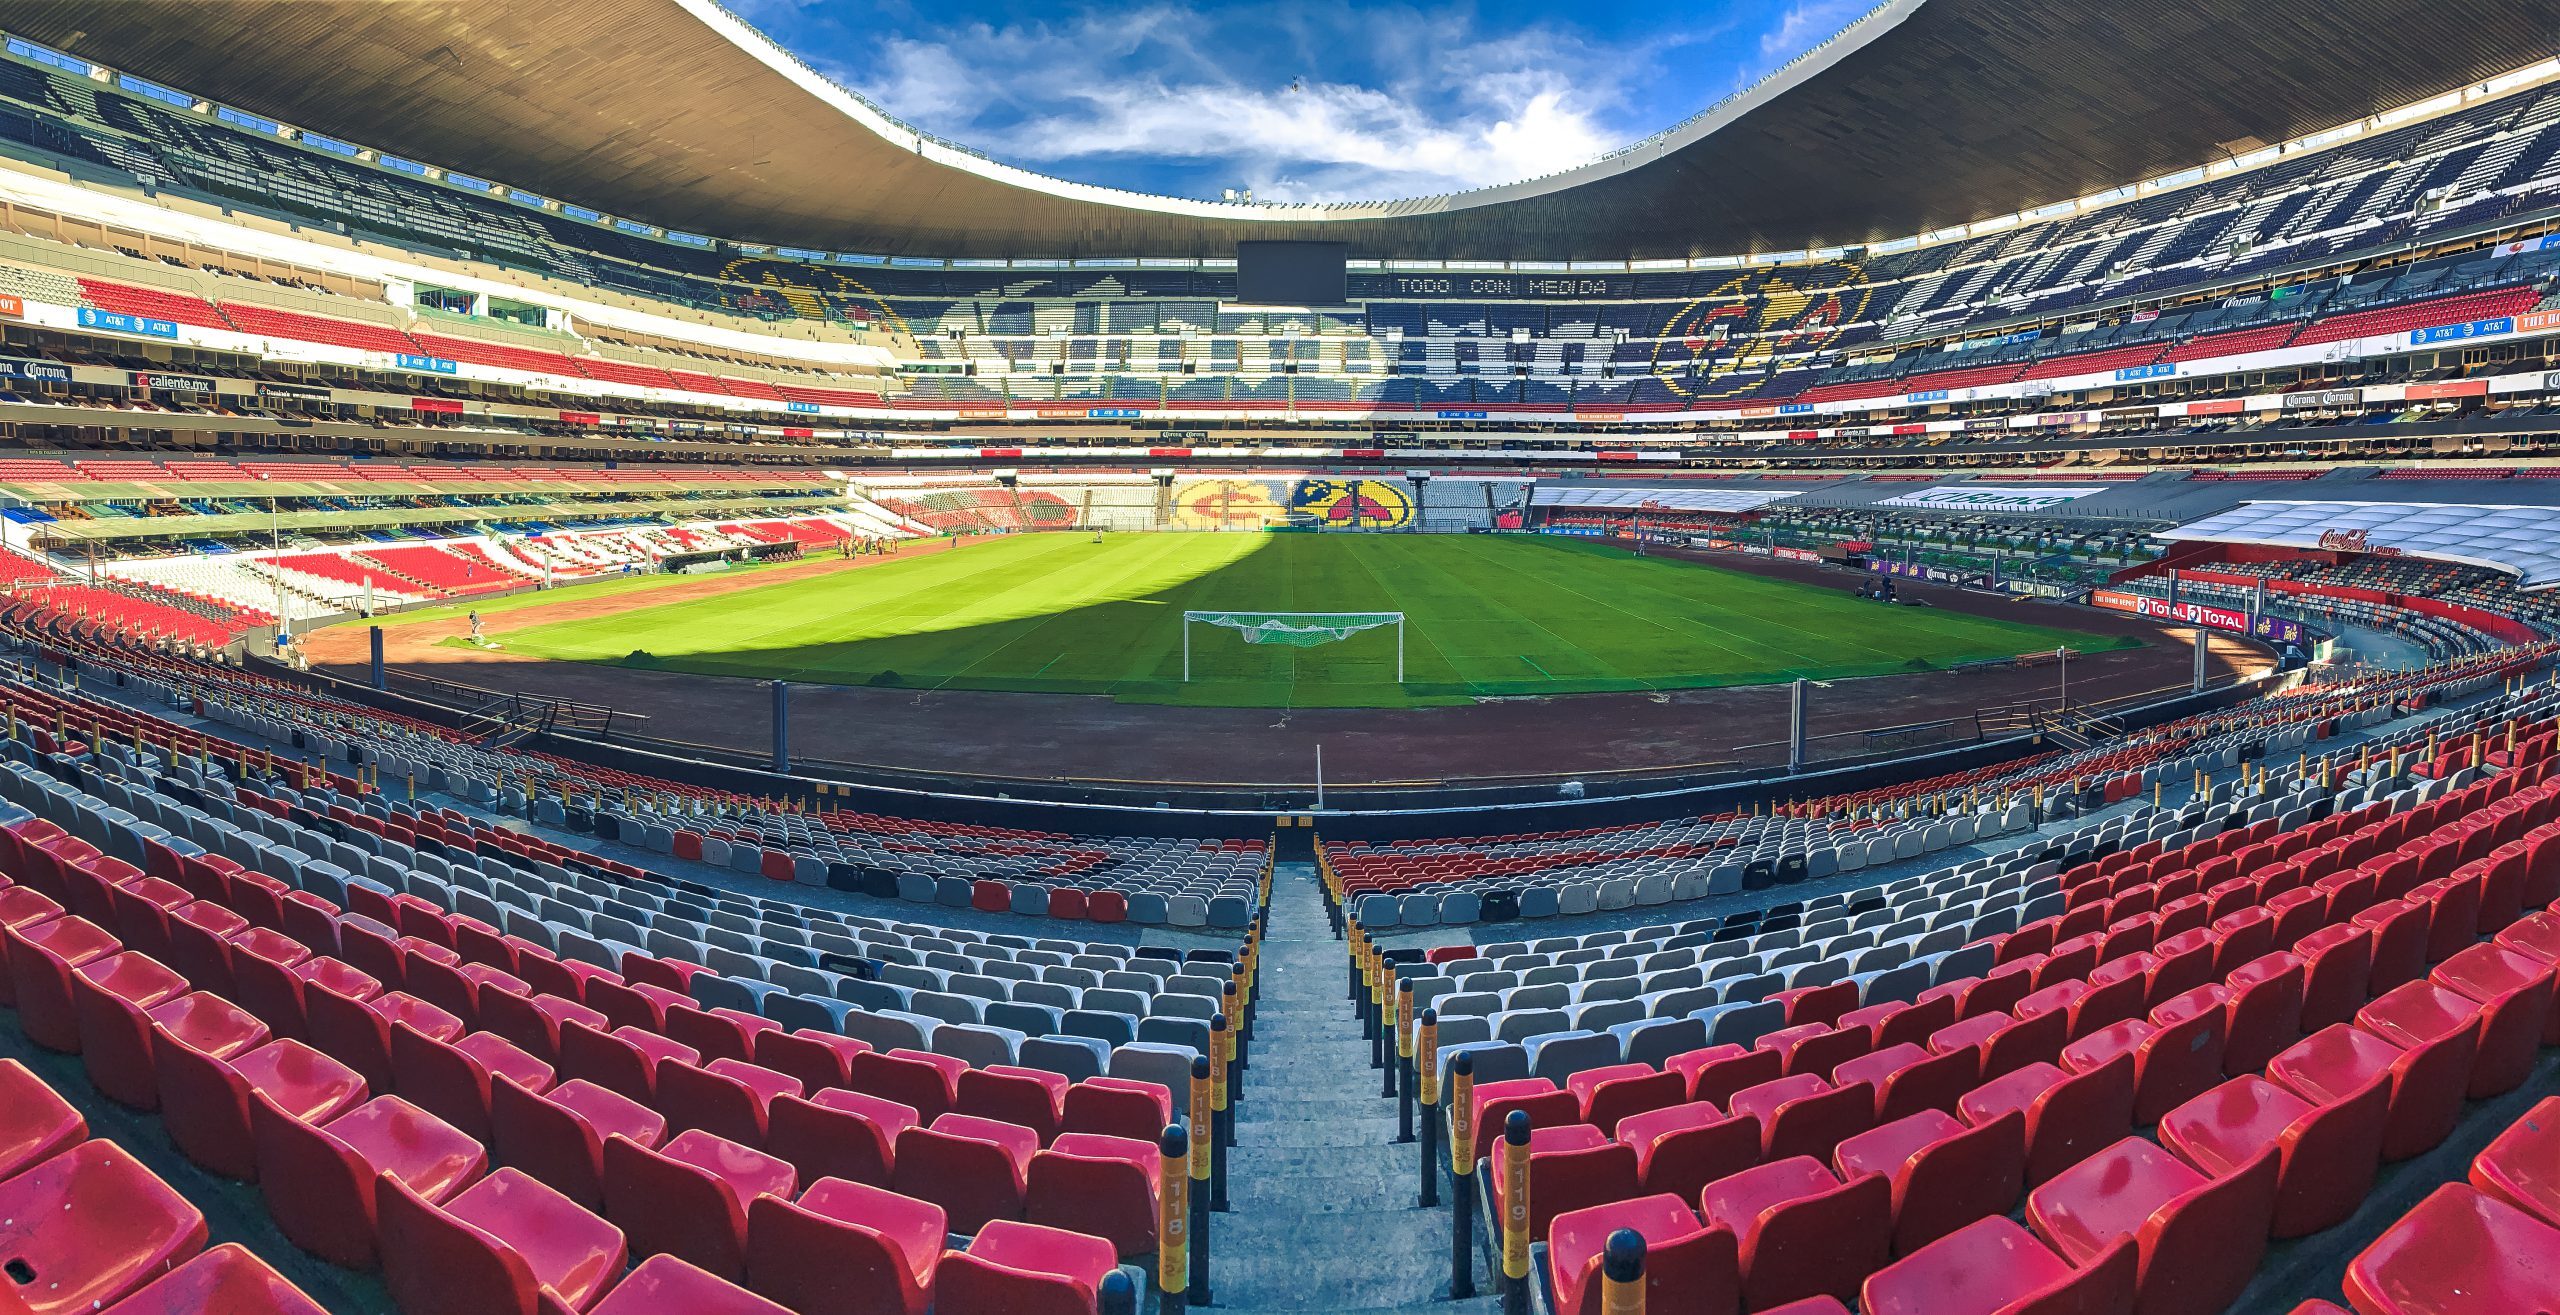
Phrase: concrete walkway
x=1325 y=1216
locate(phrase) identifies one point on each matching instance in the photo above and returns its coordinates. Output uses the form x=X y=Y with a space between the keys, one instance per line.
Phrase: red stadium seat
x=89 y=1226
x=1118 y=1107
x=664 y=1285
x=845 y=1249
x=496 y=1249
x=2460 y=1252
x=1687 y=1265
x=2069 y=1116
x=2522 y=1167
x=689 y=1197
x=452 y=1080
x=110 y=1000
x=1023 y=1269
x=1105 y=1186
x=1802 y=1232
x=35 y=1123
x=2326 y=1154
x=728 y=1099
x=1945 y=1174
x=2199 y=1238
x=975 y=1169
x=42 y=958
x=2426 y=1082
x=1681 y=1148
x=204 y=1100
x=838 y=1134
x=819 y=1060
x=1994 y=1267
x=227 y=1280
x=558 y=1136
x=319 y=1179
x=1030 y=1098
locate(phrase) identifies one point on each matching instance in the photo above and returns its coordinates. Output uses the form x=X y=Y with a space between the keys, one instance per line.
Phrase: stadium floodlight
x=1293 y=630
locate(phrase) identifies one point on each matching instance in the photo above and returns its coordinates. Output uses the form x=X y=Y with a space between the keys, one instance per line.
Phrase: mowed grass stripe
x=1487 y=615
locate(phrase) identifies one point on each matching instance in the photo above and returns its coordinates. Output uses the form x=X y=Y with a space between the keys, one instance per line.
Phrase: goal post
x=1293 y=630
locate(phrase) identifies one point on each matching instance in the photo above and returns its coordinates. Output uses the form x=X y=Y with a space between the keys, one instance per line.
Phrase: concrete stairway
x=1324 y=1216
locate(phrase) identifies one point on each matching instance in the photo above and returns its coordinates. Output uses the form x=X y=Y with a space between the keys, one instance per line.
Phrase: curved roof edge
x=1924 y=117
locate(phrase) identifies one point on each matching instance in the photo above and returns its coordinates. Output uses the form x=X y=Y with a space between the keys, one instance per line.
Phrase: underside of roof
x=1931 y=113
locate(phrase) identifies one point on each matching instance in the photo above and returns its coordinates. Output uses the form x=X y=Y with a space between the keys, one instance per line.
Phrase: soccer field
x=1485 y=615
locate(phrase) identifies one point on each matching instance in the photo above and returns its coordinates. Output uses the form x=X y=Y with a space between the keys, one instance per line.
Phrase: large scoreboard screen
x=1292 y=273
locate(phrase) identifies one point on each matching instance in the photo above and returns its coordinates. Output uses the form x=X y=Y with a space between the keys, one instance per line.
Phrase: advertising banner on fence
x=2275 y=628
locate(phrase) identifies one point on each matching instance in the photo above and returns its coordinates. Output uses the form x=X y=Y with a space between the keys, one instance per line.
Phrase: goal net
x=1293 y=629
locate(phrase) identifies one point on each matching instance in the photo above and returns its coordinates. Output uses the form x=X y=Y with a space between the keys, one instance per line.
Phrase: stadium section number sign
x=1990 y=497
x=1293 y=630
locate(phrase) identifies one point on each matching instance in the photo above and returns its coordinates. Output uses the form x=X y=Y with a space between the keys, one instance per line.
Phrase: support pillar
x=781 y=726
x=1796 y=693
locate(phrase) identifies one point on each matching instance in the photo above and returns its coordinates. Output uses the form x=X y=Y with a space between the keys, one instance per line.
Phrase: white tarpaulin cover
x=1992 y=497
x=1655 y=499
x=2522 y=541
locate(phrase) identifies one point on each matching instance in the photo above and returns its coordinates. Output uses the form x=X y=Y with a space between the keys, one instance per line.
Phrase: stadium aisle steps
x=1324 y=1216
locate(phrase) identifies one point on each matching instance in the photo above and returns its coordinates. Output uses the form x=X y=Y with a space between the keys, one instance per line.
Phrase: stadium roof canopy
x=1928 y=113
x=2521 y=541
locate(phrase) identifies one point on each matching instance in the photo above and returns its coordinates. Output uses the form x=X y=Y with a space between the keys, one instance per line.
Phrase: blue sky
x=1300 y=100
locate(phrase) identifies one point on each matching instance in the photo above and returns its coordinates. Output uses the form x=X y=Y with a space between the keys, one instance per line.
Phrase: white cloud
x=1807 y=23
x=1468 y=111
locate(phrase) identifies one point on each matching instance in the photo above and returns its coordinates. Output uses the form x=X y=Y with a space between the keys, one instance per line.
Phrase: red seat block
x=2069 y=1115
x=2517 y=1019
x=1547 y=1107
x=1118 y=1107
x=2460 y=1252
x=1612 y=1093
x=42 y=958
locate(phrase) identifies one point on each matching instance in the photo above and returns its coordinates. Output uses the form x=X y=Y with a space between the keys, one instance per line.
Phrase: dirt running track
x=1091 y=737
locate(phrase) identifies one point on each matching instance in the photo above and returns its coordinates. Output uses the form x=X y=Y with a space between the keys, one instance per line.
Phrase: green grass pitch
x=1485 y=616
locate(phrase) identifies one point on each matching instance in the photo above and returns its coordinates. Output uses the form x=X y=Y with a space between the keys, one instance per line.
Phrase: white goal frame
x=1192 y=618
